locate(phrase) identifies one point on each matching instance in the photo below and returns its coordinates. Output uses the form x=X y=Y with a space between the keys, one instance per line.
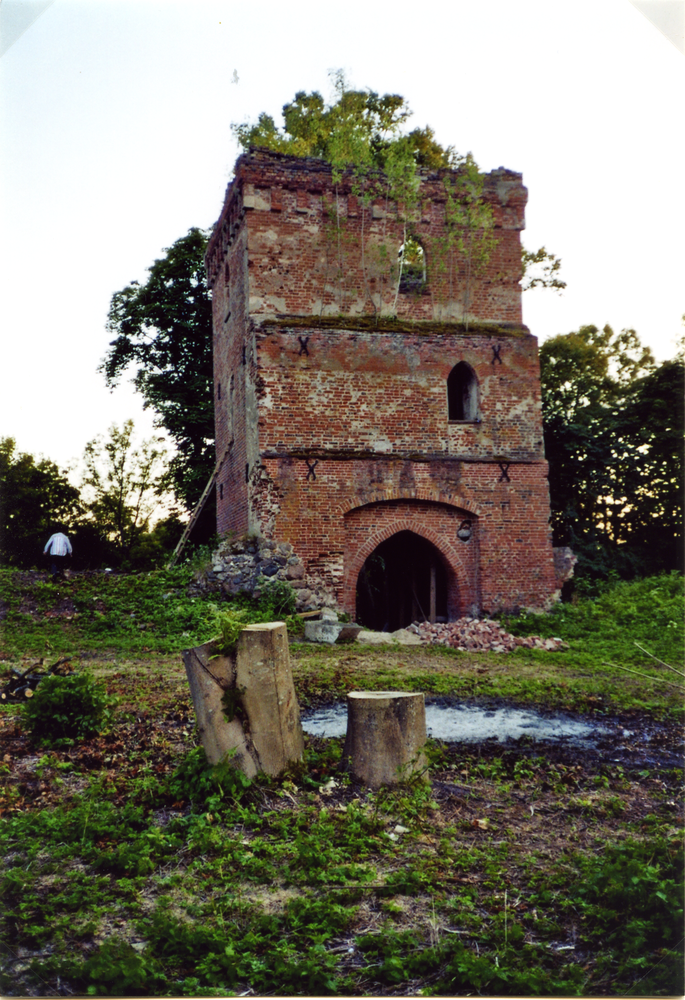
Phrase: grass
x=131 y=868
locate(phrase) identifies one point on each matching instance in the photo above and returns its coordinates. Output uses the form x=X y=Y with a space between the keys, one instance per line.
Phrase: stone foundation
x=245 y=565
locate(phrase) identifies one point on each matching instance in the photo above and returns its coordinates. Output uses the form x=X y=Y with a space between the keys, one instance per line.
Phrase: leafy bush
x=196 y=781
x=632 y=899
x=633 y=895
x=65 y=709
x=277 y=599
x=230 y=623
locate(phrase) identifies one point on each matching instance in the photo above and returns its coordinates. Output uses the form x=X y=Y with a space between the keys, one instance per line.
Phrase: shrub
x=205 y=786
x=65 y=709
x=277 y=599
x=230 y=623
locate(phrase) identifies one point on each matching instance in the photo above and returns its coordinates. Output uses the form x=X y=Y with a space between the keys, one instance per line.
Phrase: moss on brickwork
x=391 y=324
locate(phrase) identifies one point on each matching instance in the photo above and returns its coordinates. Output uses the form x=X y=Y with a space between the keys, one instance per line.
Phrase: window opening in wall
x=462 y=393
x=412 y=261
x=403 y=580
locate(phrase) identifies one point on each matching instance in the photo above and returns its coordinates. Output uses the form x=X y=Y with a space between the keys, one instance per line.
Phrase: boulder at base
x=402 y=636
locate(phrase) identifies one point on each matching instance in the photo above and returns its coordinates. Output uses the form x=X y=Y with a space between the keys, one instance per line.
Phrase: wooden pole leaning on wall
x=386 y=733
x=196 y=513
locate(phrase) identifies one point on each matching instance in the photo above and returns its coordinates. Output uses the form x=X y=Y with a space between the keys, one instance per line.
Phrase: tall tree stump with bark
x=386 y=733
x=245 y=701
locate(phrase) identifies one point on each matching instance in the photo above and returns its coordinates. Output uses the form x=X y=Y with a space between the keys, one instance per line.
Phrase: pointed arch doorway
x=403 y=580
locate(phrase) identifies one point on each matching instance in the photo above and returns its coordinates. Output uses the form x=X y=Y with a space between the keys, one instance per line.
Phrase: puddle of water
x=470 y=724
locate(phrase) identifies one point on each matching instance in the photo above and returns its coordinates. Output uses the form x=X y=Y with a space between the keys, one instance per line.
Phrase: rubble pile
x=243 y=566
x=476 y=635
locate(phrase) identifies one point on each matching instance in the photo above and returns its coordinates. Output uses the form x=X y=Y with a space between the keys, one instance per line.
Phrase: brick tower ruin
x=379 y=412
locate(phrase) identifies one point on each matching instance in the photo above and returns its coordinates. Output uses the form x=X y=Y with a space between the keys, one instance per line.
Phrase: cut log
x=386 y=733
x=245 y=703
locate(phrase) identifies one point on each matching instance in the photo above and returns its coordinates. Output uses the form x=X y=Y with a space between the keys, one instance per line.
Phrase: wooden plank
x=196 y=513
x=432 y=594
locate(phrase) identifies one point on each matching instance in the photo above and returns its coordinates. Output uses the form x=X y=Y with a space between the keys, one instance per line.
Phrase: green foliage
x=277 y=599
x=124 y=485
x=469 y=239
x=609 y=623
x=356 y=129
x=276 y=602
x=35 y=499
x=204 y=786
x=67 y=709
x=613 y=424
x=541 y=270
x=632 y=899
x=163 y=335
x=633 y=895
x=134 y=612
x=117 y=969
x=230 y=623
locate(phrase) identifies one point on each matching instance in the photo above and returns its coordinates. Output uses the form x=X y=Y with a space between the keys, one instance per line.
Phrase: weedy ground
x=131 y=868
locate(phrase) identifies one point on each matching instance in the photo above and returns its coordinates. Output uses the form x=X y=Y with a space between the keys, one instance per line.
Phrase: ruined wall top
x=324 y=246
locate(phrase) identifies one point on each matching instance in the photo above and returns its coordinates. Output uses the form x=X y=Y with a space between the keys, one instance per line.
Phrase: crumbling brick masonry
x=385 y=423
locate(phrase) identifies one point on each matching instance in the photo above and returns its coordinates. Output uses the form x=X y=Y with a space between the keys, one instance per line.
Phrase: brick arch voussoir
x=355 y=500
x=449 y=553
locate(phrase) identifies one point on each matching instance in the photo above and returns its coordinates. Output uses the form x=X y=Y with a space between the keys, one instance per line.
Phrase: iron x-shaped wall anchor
x=311 y=466
x=303 y=346
x=504 y=478
x=496 y=348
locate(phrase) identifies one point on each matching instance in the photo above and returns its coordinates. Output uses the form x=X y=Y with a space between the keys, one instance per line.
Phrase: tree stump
x=245 y=702
x=386 y=733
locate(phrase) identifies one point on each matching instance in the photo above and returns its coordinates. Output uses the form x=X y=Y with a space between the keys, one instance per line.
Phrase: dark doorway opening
x=402 y=581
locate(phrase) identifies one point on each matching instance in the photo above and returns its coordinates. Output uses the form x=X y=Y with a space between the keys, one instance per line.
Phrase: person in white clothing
x=59 y=550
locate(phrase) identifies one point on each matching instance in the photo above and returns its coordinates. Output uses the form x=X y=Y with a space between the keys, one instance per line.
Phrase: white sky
x=115 y=140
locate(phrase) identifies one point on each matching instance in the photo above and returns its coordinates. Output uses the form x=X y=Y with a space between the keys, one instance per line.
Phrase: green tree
x=123 y=486
x=613 y=423
x=357 y=128
x=541 y=270
x=36 y=498
x=363 y=131
x=163 y=335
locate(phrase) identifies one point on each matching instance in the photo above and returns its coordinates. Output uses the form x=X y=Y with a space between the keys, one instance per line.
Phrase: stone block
x=402 y=637
x=323 y=631
x=350 y=631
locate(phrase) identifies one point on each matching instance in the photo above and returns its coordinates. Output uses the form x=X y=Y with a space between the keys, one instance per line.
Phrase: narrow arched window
x=462 y=393
x=411 y=260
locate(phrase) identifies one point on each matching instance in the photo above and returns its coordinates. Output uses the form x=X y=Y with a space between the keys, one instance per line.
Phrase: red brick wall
x=332 y=519
x=318 y=250
x=386 y=392
x=337 y=437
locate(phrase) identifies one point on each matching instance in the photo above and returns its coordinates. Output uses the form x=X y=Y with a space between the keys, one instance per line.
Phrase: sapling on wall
x=469 y=225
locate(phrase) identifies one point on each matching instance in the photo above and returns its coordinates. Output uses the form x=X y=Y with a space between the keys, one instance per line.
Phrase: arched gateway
x=404 y=580
x=404 y=561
